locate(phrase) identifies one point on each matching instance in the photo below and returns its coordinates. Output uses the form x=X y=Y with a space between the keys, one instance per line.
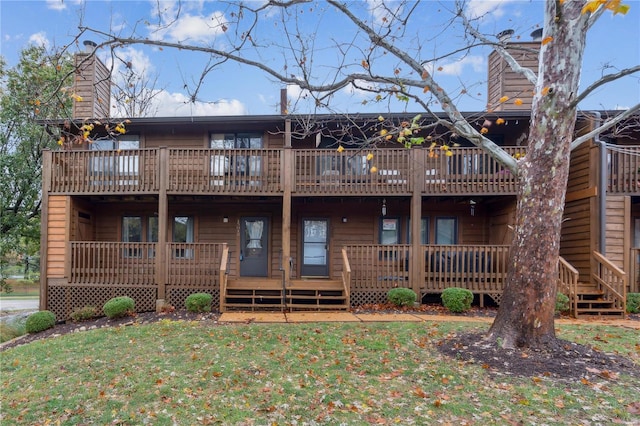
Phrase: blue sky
x=613 y=43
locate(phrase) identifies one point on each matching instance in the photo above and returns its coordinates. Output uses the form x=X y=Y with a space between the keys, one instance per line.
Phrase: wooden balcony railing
x=261 y=171
x=350 y=173
x=224 y=170
x=623 y=169
x=123 y=264
x=125 y=171
x=378 y=268
x=479 y=268
x=194 y=264
x=611 y=280
x=466 y=171
x=134 y=264
x=568 y=282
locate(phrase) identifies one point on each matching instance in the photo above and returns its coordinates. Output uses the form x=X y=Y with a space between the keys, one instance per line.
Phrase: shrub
x=633 y=303
x=199 y=302
x=457 y=299
x=562 y=302
x=83 y=314
x=40 y=321
x=402 y=296
x=119 y=307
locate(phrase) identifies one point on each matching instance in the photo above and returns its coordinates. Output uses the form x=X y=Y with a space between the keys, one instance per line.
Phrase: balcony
x=623 y=174
x=398 y=171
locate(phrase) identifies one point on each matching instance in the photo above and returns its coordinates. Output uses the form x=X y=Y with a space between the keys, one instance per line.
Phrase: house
x=262 y=215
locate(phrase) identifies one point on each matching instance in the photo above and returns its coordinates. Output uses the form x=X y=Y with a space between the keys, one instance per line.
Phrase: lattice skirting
x=63 y=299
x=359 y=298
x=176 y=296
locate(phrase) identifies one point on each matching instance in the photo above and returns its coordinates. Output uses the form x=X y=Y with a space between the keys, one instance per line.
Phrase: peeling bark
x=526 y=314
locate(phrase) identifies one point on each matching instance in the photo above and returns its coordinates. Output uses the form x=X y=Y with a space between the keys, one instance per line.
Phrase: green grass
x=328 y=373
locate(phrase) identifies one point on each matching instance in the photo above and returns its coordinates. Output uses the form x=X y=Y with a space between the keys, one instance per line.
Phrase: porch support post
x=287 y=182
x=47 y=158
x=416 y=272
x=163 y=222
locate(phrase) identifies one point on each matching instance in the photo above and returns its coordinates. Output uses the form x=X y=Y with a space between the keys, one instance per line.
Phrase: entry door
x=315 y=254
x=254 y=246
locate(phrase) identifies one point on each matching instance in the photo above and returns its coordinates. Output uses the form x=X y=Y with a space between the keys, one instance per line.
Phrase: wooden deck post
x=47 y=159
x=416 y=270
x=163 y=222
x=287 y=177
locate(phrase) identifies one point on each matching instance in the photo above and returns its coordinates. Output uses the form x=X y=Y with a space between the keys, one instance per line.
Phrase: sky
x=234 y=89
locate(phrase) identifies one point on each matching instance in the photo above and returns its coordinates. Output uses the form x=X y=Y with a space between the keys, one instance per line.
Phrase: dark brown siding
x=505 y=82
x=93 y=85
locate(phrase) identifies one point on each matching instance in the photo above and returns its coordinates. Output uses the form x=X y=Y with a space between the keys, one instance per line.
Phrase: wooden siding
x=503 y=81
x=57 y=235
x=502 y=219
x=577 y=239
x=618 y=211
x=92 y=83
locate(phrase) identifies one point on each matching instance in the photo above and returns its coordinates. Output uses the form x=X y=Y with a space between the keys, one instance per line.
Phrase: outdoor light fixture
x=384 y=207
x=472 y=203
x=225 y=219
x=344 y=219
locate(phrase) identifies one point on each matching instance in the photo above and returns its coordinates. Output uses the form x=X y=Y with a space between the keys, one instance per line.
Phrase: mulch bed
x=561 y=360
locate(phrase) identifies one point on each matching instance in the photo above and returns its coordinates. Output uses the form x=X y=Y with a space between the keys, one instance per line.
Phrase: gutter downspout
x=602 y=186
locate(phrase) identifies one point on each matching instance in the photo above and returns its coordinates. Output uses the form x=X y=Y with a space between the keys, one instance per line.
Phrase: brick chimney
x=92 y=83
x=502 y=81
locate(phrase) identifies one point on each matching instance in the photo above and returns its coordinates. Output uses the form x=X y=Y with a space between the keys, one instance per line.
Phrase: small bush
x=562 y=302
x=457 y=299
x=119 y=307
x=402 y=296
x=40 y=321
x=83 y=314
x=199 y=302
x=633 y=303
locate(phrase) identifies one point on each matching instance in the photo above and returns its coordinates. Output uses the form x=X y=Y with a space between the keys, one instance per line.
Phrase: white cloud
x=132 y=58
x=179 y=105
x=378 y=9
x=360 y=91
x=182 y=21
x=39 y=39
x=56 y=4
x=486 y=8
x=457 y=67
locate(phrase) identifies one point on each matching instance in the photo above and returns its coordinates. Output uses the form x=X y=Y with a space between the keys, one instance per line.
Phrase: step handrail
x=224 y=274
x=611 y=280
x=346 y=276
x=568 y=281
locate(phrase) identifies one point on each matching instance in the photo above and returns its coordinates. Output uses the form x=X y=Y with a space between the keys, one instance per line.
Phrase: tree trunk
x=526 y=314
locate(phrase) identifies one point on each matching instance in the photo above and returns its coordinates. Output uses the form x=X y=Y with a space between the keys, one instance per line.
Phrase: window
x=446 y=230
x=133 y=232
x=113 y=162
x=235 y=164
x=390 y=231
x=424 y=230
x=183 y=233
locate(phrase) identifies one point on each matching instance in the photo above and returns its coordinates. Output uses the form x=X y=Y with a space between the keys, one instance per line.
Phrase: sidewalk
x=300 y=317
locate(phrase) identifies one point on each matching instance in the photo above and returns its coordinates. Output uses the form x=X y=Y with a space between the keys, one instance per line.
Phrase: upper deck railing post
x=287 y=174
x=163 y=211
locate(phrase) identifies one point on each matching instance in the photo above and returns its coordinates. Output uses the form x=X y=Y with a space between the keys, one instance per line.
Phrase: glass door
x=315 y=253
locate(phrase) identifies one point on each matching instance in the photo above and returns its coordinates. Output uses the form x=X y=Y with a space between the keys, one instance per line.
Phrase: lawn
x=176 y=372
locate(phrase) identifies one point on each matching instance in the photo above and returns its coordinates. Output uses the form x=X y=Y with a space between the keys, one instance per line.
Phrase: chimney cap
x=537 y=34
x=89 y=46
x=505 y=35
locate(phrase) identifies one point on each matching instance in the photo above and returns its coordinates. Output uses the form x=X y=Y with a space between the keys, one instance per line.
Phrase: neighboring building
x=242 y=208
